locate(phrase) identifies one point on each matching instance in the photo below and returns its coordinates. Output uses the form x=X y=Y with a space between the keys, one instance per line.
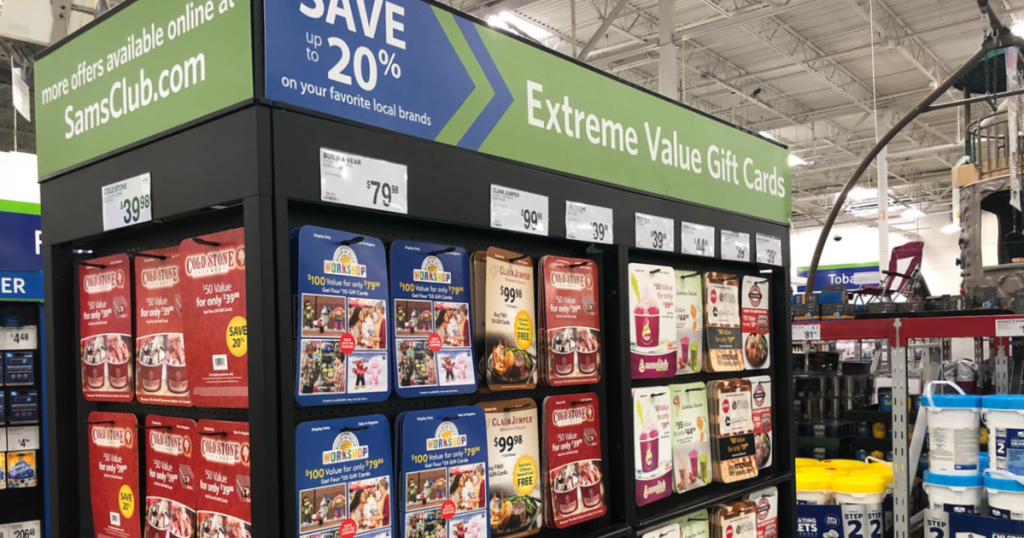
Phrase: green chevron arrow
x=482 y=93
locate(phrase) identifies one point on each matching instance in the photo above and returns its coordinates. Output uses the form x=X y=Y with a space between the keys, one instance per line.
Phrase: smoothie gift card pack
x=442 y=468
x=161 y=371
x=689 y=321
x=667 y=531
x=694 y=525
x=513 y=445
x=224 y=504
x=652 y=328
x=343 y=478
x=105 y=316
x=171 y=460
x=213 y=272
x=691 y=437
x=341 y=288
x=433 y=340
x=732 y=430
x=724 y=335
x=114 y=474
x=504 y=290
x=652 y=444
x=754 y=313
x=571 y=476
x=570 y=321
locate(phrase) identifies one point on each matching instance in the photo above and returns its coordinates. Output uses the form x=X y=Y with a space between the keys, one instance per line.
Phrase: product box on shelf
x=504 y=295
x=574 y=486
x=344 y=480
x=3 y=407
x=225 y=490
x=105 y=316
x=570 y=321
x=652 y=444
x=171 y=462
x=433 y=340
x=213 y=271
x=803 y=312
x=19 y=368
x=974 y=526
x=832 y=312
x=880 y=308
x=724 y=323
x=689 y=321
x=513 y=441
x=161 y=369
x=652 y=325
x=114 y=474
x=341 y=288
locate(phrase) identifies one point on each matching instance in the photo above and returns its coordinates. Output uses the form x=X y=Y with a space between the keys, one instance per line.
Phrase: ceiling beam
x=609 y=18
x=493 y=7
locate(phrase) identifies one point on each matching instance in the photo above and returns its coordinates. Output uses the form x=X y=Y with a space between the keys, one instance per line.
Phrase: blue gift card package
x=341 y=289
x=19 y=368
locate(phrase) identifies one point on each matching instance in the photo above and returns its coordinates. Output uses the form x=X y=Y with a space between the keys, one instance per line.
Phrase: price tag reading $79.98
x=350 y=179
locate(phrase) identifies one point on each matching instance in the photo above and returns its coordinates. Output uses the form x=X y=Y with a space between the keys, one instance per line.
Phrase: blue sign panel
x=20 y=242
x=21 y=286
x=853 y=276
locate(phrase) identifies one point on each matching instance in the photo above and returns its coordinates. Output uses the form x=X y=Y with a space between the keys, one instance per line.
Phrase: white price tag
x=25 y=529
x=1009 y=327
x=350 y=179
x=735 y=246
x=769 y=249
x=3 y=439
x=655 y=233
x=591 y=223
x=697 y=239
x=26 y=337
x=127 y=202
x=806 y=331
x=519 y=211
x=5 y=531
x=22 y=438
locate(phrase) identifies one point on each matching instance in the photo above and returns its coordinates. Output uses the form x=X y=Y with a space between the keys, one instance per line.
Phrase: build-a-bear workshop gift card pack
x=433 y=342
x=341 y=288
x=161 y=372
x=442 y=466
x=224 y=506
x=114 y=474
x=213 y=270
x=105 y=316
x=171 y=488
x=344 y=480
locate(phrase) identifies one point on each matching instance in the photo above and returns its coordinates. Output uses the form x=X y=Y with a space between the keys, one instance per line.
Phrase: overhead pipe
x=1001 y=37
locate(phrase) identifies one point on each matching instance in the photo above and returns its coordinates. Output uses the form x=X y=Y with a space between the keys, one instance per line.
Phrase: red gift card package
x=225 y=497
x=114 y=474
x=105 y=314
x=170 y=477
x=572 y=451
x=160 y=371
x=213 y=271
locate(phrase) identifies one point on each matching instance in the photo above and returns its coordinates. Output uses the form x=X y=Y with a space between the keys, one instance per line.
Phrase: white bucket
x=1005 y=497
x=953 y=424
x=953 y=494
x=860 y=498
x=1004 y=416
x=813 y=489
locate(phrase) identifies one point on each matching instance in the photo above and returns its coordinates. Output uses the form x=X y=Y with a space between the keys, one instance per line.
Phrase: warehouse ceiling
x=799 y=71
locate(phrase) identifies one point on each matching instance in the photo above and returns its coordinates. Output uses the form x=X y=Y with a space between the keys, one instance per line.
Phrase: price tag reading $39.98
x=591 y=223
x=656 y=233
x=127 y=202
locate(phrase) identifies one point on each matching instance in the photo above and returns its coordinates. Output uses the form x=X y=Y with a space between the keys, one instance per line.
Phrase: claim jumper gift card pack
x=341 y=285
x=213 y=270
x=442 y=466
x=504 y=290
x=343 y=478
x=513 y=444
x=105 y=314
x=432 y=331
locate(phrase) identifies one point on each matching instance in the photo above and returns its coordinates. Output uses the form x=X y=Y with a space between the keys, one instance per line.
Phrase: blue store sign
x=21 y=286
x=20 y=242
x=853 y=276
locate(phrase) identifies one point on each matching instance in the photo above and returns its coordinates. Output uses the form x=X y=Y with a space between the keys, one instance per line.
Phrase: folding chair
x=903 y=279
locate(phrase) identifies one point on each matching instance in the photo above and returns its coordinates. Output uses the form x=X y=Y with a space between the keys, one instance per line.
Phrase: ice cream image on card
x=652 y=332
x=647 y=318
x=653 y=457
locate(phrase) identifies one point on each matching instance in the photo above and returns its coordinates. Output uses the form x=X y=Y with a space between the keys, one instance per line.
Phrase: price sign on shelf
x=697 y=239
x=1009 y=327
x=26 y=337
x=591 y=223
x=23 y=438
x=735 y=246
x=806 y=331
x=655 y=233
x=127 y=202
x=25 y=529
x=519 y=211
x=350 y=179
x=769 y=249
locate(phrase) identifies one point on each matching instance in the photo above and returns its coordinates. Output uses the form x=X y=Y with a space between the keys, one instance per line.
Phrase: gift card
x=113 y=474
x=224 y=504
x=513 y=441
x=571 y=321
x=652 y=444
x=105 y=316
x=652 y=325
x=724 y=336
x=511 y=350
x=161 y=370
x=573 y=479
x=754 y=313
x=689 y=321
x=691 y=437
x=170 y=477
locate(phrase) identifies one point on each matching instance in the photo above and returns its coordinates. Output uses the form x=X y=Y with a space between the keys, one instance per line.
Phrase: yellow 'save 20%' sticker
x=525 y=475
x=126 y=501
x=238 y=336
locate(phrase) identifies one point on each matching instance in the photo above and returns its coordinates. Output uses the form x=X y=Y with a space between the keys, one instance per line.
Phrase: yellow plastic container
x=844 y=464
x=813 y=488
x=802 y=463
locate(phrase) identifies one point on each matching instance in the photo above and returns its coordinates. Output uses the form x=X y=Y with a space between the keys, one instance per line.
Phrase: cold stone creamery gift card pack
x=652 y=328
x=571 y=328
x=225 y=490
x=114 y=474
x=171 y=483
x=572 y=474
x=105 y=316
x=161 y=370
x=341 y=289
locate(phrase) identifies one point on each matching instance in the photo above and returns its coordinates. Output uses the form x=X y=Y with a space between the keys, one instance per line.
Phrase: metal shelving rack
x=899 y=332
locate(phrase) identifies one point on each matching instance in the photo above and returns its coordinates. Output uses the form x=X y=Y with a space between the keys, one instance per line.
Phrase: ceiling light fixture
x=508 y=21
x=951 y=228
x=912 y=213
x=1018 y=28
x=861 y=193
x=796 y=161
x=766 y=134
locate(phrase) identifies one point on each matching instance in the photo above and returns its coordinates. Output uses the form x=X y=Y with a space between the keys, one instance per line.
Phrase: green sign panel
x=150 y=67
x=418 y=69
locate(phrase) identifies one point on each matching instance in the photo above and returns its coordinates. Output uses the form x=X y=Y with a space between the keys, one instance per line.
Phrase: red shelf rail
x=937 y=327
